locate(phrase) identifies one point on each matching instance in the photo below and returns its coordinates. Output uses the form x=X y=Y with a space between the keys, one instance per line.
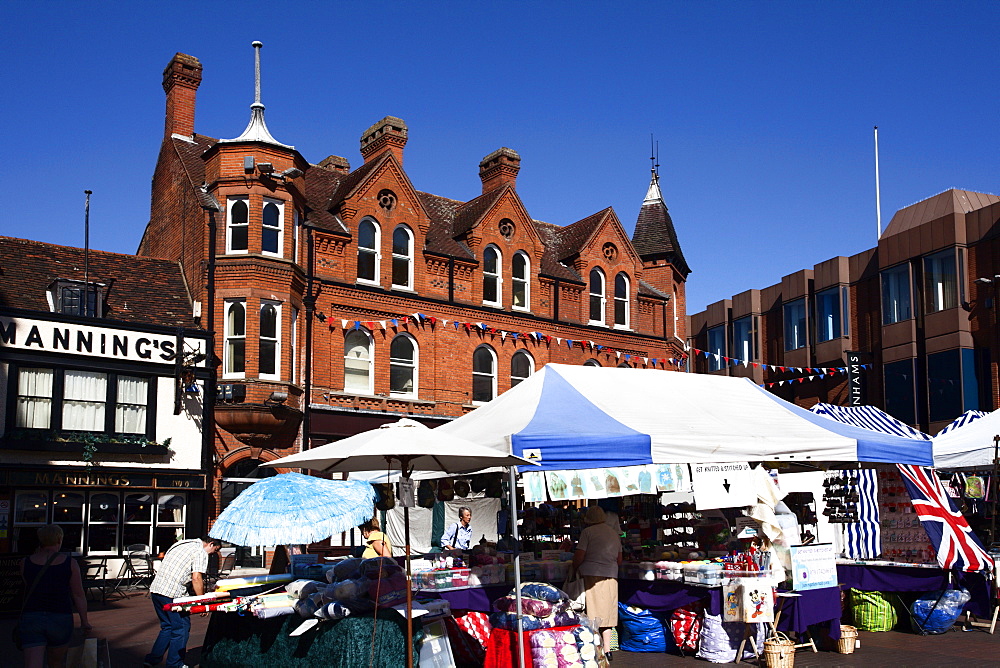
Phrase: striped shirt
x=181 y=560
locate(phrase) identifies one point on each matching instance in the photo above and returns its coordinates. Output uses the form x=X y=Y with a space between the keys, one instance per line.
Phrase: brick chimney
x=499 y=167
x=387 y=134
x=181 y=79
x=335 y=163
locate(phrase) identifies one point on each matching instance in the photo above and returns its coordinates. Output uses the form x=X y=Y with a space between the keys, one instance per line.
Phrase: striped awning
x=869 y=417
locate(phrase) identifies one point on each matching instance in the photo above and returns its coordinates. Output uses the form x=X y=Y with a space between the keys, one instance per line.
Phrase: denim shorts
x=39 y=629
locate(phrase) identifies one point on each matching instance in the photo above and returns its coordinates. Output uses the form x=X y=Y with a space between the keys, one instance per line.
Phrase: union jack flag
x=957 y=547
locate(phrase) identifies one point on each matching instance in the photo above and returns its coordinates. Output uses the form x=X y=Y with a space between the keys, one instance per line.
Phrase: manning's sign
x=61 y=337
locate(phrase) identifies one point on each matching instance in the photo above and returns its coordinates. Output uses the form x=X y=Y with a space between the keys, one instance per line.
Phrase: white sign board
x=813 y=566
x=747 y=527
x=722 y=485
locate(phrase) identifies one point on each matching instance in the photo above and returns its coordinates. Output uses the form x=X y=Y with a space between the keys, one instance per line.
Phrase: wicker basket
x=779 y=651
x=848 y=639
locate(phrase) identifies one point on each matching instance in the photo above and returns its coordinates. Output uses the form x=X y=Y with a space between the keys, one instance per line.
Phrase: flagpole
x=878 y=196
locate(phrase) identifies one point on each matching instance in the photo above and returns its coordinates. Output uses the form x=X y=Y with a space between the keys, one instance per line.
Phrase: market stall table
x=911 y=578
x=475 y=598
x=664 y=595
x=233 y=640
x=808 y=608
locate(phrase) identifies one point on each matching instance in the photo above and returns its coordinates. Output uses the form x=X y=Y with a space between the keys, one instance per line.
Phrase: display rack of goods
x=841 y=496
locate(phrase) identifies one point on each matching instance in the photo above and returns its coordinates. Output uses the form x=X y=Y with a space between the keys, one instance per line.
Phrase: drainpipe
x=309 y=300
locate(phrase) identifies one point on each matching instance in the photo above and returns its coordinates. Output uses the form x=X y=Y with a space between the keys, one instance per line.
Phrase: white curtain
x=34 y=398
x=130 y=413
x=84 y=396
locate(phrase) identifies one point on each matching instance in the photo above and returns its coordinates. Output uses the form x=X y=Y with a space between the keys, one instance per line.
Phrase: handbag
x=576 y=590
x=15 y=633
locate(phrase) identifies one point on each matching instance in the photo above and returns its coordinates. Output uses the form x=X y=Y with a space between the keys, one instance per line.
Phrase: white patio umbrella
x=407 y=446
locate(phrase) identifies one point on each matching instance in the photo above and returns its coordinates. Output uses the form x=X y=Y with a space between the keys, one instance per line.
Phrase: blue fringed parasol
x=291 y=509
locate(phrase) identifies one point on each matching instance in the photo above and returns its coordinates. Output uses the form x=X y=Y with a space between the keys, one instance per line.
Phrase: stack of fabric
x=542 y=607
x=353 y=587
x=560 y=648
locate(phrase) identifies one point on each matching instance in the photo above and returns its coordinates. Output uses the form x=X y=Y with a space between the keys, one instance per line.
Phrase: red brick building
x=345 y=298
x=920 y=308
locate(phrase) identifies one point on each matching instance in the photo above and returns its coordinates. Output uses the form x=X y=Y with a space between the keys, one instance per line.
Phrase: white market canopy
x=969 y=445
x=579 y=417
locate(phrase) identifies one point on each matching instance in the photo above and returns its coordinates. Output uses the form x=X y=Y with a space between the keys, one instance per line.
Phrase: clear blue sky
x=763 y=110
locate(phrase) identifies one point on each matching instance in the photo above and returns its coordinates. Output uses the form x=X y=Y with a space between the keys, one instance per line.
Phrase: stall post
x=512 y=470
x=996 y=490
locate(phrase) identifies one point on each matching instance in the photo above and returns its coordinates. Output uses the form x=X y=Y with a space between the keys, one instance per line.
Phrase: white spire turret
x=653 y=194
x=257 y=128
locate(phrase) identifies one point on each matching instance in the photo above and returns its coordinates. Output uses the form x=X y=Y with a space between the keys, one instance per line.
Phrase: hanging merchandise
x=841 y=497
x=425 y=494
x=446 y=490
x=494 y=485
x=478 y=483
x=386 y=498
x=974 y=487
x=903 y=537
x=462 y=488
x=534 y=486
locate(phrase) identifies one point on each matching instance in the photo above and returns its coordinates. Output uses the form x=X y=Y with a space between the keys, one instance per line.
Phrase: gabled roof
x=138 y=289
x=550 y=264
x=321 y=184
x=469 y=214
x=655 y=236
x=648 y=290
x=440 y=240
x=574 y=237
x=943 y=204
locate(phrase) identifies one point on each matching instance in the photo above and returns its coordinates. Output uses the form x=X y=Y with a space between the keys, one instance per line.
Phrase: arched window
x=621 y=300
x=491 y=276
x=271 y=236
x=236 y=334
x=368 y=254
x=402 y=257
x=596 y=296
x=358 y=362
x=270 y=336
x=403 y=366
x=591 y=362
x=238 y=228
x=521 y=367
x=624 y=365
x=484 y=375
x=521 y=282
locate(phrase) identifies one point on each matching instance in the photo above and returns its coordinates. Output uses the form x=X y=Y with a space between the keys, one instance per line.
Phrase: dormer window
x=76 y=298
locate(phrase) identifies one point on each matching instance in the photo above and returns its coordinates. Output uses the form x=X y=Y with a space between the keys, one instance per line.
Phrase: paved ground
x=129 y=625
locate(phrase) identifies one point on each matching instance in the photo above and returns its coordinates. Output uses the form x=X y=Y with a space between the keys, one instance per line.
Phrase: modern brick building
x=345 y=298
x=104 y=391
x=920 y=308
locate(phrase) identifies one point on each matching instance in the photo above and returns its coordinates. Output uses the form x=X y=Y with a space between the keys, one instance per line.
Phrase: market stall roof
x=869 y=417
x=968 y=446
x=383 y=448
x=962 y=420
x=577 y=417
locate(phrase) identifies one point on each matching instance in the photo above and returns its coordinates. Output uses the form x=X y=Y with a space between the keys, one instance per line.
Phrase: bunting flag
x=957 y=547
x=422 y=319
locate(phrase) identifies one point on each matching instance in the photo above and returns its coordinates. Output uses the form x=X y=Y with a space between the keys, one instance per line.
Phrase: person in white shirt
x=597 y=557
x=186 y=561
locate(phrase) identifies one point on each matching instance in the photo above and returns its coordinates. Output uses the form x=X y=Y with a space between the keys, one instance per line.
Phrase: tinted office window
x=940 y=281
x=795 y=324
x=952 y=386
x=716 y=345
x=899 y=391
x=828 y=315
x=743 y=347
x=896 y=295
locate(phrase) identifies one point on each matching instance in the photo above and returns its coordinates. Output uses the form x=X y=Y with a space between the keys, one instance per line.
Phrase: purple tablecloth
x=477 y=599
x=814 y=606
x=662 y=595
x=902 y=578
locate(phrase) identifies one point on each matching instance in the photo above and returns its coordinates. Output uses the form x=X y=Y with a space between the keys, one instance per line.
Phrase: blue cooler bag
x=642 y=631
x=937 y=611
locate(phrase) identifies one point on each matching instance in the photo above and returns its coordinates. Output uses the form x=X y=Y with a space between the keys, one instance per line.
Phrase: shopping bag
x=576 y=590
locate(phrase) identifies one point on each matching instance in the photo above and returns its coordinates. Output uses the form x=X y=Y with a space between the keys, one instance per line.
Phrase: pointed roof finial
x=257 y=128
x=653 y=194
